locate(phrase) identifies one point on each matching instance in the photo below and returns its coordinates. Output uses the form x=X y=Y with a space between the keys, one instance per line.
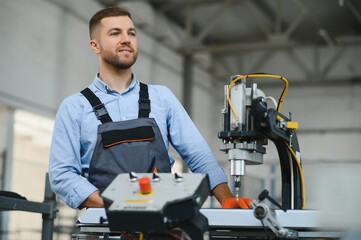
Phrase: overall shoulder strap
x=98 y=107
x=144 y=102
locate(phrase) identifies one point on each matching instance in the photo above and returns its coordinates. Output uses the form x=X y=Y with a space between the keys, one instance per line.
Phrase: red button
x=144 y=184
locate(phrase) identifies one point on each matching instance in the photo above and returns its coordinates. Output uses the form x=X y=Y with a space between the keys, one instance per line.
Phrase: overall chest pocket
x=138 y=134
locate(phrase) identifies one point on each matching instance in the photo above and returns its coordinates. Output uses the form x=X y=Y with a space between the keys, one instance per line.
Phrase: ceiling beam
x=278 y=18
x=332 y=61
x=214 y=20
x=300 y=63
x=167 y=5
x=265 y=45
x=300 y=83
x=296 y=21
x=354 y=10
x=262 y=20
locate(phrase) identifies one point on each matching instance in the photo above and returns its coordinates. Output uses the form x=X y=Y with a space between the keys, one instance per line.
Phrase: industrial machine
x=262 y=222
x=248 y=124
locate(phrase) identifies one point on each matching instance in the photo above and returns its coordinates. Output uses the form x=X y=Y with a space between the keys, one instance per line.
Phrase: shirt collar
x=103 y=87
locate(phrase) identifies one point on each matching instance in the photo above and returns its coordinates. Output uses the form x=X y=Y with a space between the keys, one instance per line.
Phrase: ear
x=94 y=46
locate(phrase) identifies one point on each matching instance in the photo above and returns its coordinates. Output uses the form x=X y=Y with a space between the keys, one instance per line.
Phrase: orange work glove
x=244 y=203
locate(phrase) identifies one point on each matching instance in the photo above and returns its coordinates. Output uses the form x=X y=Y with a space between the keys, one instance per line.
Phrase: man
x=135 y=123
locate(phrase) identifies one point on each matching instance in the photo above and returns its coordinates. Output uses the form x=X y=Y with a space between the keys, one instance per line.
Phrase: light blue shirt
x=75 y=135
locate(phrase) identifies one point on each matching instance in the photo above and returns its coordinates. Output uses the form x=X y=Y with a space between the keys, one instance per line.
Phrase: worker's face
x=115 y=41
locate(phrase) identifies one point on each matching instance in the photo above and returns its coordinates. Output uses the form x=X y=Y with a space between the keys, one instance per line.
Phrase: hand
x=222 y=192
x=244 y=203
x=94 y=200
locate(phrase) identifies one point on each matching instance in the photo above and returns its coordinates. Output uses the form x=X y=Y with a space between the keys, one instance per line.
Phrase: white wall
x=45 y=54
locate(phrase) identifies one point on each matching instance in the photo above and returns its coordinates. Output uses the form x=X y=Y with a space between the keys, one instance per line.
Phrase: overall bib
x=126 y=146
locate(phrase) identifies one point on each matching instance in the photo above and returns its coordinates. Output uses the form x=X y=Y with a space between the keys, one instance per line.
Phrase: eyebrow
x=119 y=29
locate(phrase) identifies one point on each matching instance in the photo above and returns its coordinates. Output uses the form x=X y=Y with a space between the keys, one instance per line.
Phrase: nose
x=125 y=39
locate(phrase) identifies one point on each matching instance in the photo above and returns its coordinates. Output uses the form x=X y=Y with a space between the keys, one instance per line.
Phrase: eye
x=114 y=34
x=132 y=34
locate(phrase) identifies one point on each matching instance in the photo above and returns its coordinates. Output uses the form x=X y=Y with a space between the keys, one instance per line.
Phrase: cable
x=292 y=182
x=131 y=236
x=301 y=175
x=272 y=99
x=175 y=236
x=229 y=96
x=255 y=75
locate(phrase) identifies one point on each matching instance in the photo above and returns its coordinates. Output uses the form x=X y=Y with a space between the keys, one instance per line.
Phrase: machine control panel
x=154 y=202
x=152 y=192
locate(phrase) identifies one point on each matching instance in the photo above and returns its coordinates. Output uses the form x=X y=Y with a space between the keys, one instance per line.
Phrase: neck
x=117 y=79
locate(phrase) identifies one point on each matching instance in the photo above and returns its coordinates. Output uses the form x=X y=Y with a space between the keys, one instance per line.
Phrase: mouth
x=125 y=50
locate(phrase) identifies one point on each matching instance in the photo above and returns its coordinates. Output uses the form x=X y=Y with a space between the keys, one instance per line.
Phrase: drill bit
x=237 y=185
x=237 y=193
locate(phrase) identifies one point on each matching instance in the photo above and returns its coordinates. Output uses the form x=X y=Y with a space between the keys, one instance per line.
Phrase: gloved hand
x=244 y=203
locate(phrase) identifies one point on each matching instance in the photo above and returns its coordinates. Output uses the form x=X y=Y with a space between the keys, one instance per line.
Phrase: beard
x=114 y=60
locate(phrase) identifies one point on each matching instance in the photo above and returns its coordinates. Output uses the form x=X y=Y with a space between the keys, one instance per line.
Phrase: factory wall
x=45 y=54
x=45 y=57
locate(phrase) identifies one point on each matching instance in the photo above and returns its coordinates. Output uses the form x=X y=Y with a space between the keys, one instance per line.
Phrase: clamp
x=267 y=217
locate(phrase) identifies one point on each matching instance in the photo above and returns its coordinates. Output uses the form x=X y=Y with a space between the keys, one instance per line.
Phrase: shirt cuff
x=80 y=193
x=216 y=177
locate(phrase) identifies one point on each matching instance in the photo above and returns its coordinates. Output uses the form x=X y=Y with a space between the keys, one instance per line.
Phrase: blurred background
x=193 y=47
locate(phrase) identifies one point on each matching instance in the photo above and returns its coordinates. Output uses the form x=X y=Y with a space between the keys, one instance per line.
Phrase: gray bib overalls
x=126 y=146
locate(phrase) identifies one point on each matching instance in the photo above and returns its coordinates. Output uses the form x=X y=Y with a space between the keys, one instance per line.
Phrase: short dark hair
x=106 y=12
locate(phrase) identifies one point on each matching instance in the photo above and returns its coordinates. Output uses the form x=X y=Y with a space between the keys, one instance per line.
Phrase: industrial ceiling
x=230 y=27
